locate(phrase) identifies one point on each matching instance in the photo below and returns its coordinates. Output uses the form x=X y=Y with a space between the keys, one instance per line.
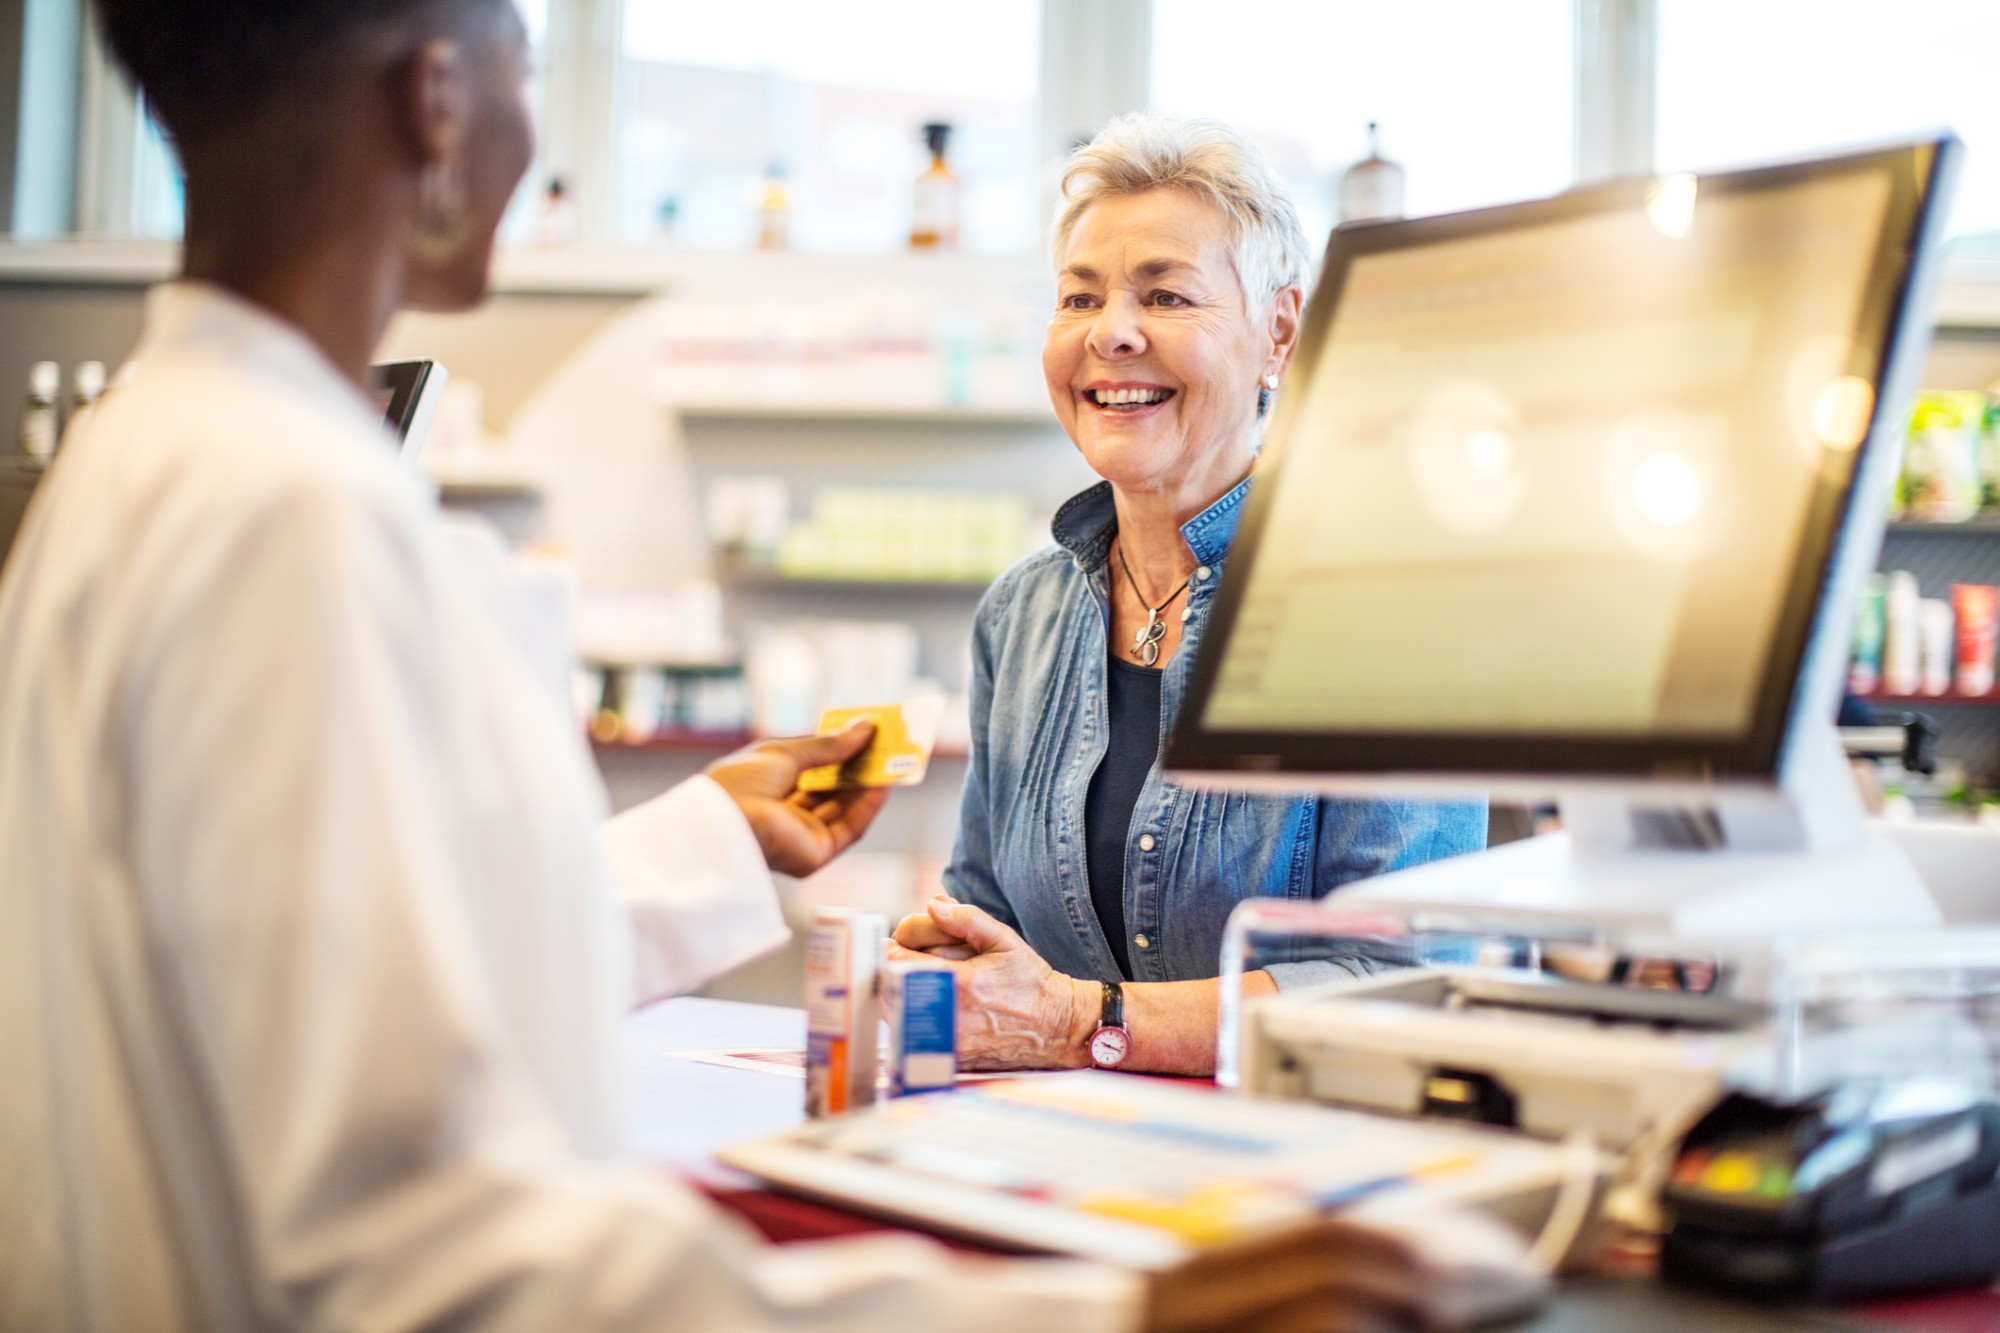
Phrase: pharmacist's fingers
x=1327 y=1275
x=848 y=815
x=818 y=751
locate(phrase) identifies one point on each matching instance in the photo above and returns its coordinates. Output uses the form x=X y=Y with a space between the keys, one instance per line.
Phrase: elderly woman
x=1079 y=866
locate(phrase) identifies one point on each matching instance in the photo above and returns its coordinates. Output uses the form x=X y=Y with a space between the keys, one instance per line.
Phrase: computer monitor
x=1572 y=497
x=1556 y=490
x=408 y=392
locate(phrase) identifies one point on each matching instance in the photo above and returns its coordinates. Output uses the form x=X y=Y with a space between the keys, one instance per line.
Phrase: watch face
x=1109 y=1047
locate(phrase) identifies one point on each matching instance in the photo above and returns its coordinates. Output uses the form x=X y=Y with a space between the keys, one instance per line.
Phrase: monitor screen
x=1556 y=487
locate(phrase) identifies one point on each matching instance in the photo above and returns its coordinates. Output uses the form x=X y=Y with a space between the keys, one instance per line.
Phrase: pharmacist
x=309 y=959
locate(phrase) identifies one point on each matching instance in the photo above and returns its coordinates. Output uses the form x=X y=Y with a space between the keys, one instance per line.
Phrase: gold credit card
x=897 y=756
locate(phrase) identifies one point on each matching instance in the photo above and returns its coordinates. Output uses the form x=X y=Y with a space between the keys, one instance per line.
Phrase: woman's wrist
x=1086 y=1007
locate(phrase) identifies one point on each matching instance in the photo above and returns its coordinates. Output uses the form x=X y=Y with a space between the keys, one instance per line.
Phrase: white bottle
x=1372 y=189
x=86 y=386
x=1934 y=627
x=1902 y=648
x=39 y=423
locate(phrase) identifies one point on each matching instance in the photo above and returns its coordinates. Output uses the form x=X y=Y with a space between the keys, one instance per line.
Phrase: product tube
x=1902 y=656
x=1978 y=607
x=843 y=957
x=1934 y=626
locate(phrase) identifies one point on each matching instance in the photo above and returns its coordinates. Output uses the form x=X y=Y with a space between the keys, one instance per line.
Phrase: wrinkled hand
x=1014 y=1010
x=799 y=831
x=1327 y=1276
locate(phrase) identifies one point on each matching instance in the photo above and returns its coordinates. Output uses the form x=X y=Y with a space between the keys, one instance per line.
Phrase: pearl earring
x=1271 y=382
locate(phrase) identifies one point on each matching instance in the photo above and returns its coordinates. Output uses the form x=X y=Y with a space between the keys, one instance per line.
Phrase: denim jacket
x=1039 y=723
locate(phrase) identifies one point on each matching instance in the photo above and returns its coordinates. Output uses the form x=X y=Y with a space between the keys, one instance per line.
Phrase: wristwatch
x=1111 y=1043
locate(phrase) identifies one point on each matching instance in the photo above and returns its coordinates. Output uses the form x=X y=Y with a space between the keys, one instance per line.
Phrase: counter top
x=684 y=1110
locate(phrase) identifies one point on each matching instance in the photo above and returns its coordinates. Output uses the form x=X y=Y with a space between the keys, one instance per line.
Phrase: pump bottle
x=934 y=220
x=1372 y=189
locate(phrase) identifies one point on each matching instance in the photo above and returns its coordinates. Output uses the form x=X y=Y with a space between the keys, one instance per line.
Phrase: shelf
x=469 y=491
x=919 y=413
x=1985 y=523
x=720 y=742
x=683 y=742
x=770 y=580
x=1919 y=702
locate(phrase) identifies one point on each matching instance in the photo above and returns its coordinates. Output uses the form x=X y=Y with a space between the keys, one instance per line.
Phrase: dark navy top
x=1133 y=693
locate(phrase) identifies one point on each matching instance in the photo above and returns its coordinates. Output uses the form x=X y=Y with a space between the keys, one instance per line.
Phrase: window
x=1474 y=99
x=715 y=98
x=521 y=222
x=158 y=196
x=1743 y=83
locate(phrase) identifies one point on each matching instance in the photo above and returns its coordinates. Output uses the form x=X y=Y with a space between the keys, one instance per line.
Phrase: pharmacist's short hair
x=1137 y=153
x=210 y=67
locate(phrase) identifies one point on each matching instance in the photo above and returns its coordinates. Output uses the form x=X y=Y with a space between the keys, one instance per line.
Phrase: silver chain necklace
x=1146 y=643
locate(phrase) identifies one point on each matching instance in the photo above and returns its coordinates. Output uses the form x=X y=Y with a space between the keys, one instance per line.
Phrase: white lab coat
x=310 y=959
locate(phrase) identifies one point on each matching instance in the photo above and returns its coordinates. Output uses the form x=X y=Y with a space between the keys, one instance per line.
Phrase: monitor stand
x=1679 y=864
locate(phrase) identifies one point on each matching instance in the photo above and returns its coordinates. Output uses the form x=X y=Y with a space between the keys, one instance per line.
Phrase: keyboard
x=1140 y=1171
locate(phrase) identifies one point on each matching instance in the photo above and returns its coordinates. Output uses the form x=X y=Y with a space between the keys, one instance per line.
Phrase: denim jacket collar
x=1085 y=525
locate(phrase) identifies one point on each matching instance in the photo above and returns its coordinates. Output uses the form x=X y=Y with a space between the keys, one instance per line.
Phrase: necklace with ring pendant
x=1146 y=642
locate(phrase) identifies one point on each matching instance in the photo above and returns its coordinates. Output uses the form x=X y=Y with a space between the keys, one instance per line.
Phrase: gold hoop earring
x=443 y=217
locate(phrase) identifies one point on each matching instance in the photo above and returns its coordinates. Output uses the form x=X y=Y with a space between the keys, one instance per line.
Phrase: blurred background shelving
x=643 y=375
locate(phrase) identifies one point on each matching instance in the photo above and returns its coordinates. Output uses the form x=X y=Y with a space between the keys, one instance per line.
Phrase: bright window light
x=1473 y=98
x=713 y=97
x=1743 y=83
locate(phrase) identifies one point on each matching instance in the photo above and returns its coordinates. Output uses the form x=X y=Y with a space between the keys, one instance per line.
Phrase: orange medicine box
x=843 y=956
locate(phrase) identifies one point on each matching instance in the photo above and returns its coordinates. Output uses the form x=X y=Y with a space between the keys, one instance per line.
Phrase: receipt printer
x=1514 y=1049
x=1866 y=1190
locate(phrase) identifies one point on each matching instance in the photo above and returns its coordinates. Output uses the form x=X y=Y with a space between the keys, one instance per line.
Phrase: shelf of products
x=482 y=491
x=719 y=742
x=1930 y=617
x=748 y=577
x=1986 y=523
x=677 y=741
x=921 y=413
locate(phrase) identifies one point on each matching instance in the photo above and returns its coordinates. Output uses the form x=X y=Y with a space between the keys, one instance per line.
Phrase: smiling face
x=1152 y=361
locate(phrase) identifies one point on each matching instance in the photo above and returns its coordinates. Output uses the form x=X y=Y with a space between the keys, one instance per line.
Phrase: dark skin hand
x=799 y=831
x=1326 y=1276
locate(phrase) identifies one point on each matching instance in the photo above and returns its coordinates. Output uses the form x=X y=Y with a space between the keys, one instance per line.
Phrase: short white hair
x=1137 y=153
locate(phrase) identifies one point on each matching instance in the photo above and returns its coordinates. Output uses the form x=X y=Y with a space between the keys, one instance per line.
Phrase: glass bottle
x=39 y=422
x=557 y=225
x=934 y=219
x=774 y=211
x=86 y=387
x=1372 y=189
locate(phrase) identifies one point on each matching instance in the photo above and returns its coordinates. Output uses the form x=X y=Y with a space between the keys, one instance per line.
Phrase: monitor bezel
x=413 y=388
x=1197 y=752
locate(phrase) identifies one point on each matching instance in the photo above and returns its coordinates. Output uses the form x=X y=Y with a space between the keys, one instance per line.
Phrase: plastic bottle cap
x=44 y=379
x=89 y=379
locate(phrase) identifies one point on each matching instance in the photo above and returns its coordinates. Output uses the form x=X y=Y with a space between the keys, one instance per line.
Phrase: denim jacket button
x=1187 y=614
x=1146 y=844
x=1142 y=941
x=1204 y=573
